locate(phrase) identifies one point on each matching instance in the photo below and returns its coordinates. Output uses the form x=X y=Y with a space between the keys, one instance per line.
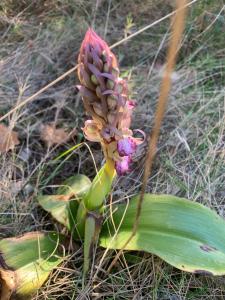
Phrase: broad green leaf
x=185 y=234
x=63 y=206
x=26 y=262
x=76 y=185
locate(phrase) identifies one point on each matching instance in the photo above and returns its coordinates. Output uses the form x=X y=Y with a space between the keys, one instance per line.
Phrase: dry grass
x=40 y=41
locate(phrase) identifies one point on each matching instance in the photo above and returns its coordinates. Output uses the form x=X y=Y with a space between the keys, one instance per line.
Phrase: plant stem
x=93 y=224
x=101 y=187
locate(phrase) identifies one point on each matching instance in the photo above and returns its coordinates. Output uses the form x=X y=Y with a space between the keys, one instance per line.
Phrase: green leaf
x=26 y=262
x=185 y=234
x=76 y=185
x=63 y=206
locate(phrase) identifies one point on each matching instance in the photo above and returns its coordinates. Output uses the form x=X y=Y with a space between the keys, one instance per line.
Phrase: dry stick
x=177 y=30
x=29 y=99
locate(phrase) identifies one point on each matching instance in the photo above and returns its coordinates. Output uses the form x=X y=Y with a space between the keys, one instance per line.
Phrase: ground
x=40 y=41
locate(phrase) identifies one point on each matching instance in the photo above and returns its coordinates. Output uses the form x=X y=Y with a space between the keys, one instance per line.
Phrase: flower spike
x=106 y=100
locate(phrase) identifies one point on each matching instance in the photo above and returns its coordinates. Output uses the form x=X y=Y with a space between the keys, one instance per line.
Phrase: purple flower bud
x=126 y=146
x=122 y=167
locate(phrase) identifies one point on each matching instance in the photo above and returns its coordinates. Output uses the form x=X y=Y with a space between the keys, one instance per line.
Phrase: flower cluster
x=105 y=98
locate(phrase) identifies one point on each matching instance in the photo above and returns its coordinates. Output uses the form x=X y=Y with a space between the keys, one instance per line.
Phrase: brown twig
x=177 y=30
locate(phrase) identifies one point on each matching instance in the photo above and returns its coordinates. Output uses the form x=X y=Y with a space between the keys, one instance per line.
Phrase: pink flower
x=106 y=100
x=123 y=166
x=91 y=131
x=126 y=146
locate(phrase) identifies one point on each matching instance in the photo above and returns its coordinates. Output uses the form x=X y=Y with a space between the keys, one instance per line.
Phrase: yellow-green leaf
x=63 y=205
x=26 y=262
x=186 y=234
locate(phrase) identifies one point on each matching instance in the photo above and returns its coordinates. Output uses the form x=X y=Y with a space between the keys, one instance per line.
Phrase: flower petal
x=126 y=146
x=123 y=166
x=91 y=131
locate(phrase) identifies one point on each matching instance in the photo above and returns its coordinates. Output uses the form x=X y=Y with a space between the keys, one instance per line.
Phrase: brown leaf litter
x=8 y=139
x=52 y=135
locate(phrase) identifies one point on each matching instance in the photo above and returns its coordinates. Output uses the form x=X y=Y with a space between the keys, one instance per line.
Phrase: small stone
x=28 y=189
x=25 y=154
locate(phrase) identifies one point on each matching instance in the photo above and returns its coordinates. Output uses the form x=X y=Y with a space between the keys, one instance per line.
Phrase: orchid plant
x=185 y=234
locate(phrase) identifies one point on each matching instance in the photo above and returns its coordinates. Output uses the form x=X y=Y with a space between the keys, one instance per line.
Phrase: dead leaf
x=8 y=284
x=51 y=135
x=8 y=139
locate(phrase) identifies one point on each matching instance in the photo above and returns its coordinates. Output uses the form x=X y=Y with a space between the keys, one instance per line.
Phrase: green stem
x=101 y=186
x=94 y=199
x=89 y=215
x=93 y=224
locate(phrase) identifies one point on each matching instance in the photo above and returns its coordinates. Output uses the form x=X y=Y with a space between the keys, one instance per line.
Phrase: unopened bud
x=112 y=102
x=98 y=91
x=106 y=68
x=110 y=84
x=85 y=79
x=111 y=118
x=94 y=79
x=98 y=109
